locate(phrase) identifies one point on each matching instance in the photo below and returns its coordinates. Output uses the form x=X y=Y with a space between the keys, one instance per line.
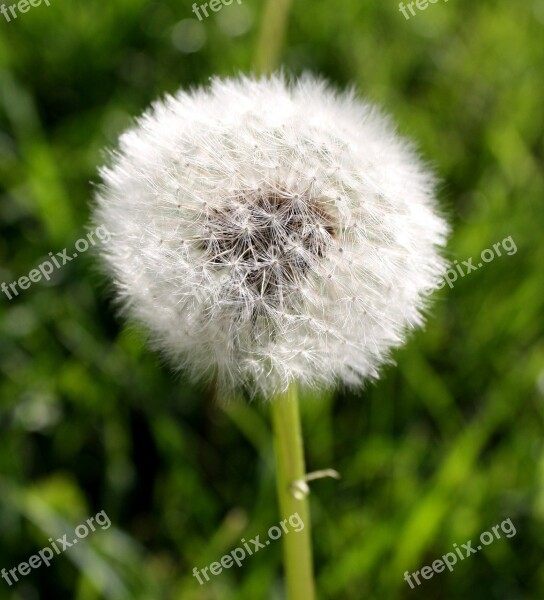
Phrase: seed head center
x=273 y=238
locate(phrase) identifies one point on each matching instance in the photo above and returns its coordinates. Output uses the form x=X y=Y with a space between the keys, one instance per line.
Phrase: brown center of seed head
x=269 y=239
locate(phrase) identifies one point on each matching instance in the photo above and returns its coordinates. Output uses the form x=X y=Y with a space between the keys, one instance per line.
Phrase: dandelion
x=270 y=233
x=267 y=232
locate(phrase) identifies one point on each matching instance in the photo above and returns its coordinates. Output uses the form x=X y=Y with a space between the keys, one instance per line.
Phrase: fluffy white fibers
x=266 y=231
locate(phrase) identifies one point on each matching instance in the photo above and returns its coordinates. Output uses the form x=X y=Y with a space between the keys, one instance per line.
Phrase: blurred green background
x=448 y=444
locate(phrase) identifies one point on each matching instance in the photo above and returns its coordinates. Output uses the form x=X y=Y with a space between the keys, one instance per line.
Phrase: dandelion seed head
x=265 y=231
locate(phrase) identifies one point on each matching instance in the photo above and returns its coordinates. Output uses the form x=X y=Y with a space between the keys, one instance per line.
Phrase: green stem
x=297 y=546
x=272 y=35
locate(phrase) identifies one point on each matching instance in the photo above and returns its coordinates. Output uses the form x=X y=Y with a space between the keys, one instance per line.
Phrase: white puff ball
x=266 y=231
